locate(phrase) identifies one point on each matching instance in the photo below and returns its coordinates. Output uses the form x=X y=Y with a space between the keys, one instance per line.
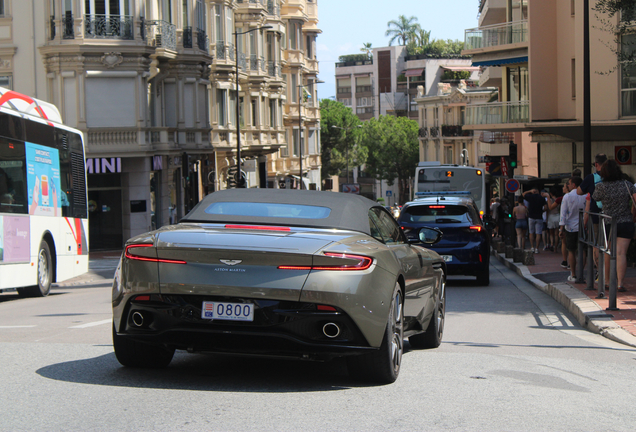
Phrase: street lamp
x=347 y=146
x=240 y=181
x=300 y=128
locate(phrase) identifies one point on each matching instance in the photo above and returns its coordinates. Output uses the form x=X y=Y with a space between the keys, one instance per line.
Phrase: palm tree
x=400 y=29
x=366 y=48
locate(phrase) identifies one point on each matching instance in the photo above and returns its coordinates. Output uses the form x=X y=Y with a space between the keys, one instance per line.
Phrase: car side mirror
x=428 y=236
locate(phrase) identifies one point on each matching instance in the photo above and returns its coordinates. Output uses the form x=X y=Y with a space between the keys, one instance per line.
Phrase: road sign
x=353 y=188
x=504 y=166
x=512 y=185
x=494 y=168
x=389 y=193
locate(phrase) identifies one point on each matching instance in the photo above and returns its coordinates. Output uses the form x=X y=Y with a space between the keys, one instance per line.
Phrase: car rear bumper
x=280 y=328
x=469 y=260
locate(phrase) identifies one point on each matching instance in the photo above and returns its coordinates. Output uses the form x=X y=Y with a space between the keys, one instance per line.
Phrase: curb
x=587 y=312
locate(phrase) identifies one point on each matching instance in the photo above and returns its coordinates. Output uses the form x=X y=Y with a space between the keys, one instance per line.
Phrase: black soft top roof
x=348 y=211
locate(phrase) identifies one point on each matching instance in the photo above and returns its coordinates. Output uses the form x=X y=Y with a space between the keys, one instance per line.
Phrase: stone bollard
x=517 y=255
x=501 y=247
x=528 y=257
x=509 y=250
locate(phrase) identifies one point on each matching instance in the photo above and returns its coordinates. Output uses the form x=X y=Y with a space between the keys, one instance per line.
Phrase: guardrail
x=605 y=242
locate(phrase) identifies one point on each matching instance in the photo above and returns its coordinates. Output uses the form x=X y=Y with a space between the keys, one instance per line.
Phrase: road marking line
x=12 y=327
x=92 y=324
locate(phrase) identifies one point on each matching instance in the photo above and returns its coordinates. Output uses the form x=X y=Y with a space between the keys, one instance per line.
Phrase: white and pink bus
x=43 y=206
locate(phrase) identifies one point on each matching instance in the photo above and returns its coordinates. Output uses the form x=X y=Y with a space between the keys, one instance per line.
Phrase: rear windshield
x=275 y=210
x=436 y=213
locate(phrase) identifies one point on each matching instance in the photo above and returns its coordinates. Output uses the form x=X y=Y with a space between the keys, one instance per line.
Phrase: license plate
x=447 y=258
x=227 y=311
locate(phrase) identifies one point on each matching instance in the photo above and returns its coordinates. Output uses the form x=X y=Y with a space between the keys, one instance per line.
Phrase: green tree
x=340 y=144
x=624 y=32
x=393 y=151
x=401 y=29
x=366 y=48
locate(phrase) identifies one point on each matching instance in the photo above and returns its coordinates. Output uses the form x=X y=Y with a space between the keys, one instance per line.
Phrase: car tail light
x=437 y=207
x=363 y=263
x=474 y=228
x=130 y=254
x=258 y=227
x=326 y=308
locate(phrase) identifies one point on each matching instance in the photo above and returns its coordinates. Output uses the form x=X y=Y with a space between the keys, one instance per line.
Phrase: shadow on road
x=210 y=373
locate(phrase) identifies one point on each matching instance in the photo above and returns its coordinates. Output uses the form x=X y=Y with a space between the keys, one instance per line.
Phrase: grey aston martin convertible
x=306 y=274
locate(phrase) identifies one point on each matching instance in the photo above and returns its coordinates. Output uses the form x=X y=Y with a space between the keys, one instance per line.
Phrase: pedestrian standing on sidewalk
x=520 y=214
x=616 y=196
x=587 y=187
x=536 y=205
x=495 y=210
x=554 y=213
x=571 y=205
x=564 y=251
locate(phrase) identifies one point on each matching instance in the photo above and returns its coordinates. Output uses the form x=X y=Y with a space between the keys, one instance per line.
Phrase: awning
x=462 y=68
x=414 y=72
x=501 y=62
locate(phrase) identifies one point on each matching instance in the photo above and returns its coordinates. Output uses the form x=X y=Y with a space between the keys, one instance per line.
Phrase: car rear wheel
x=432 y=338
x=45 y=274
x=138 y=354
x=383 y=366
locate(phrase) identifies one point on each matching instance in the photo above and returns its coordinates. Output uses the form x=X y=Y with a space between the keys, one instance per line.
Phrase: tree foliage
x=393 y=151
x=353 y=58
x=401 y=29
x=339 y=142
x=624 y=33
x=366 y=48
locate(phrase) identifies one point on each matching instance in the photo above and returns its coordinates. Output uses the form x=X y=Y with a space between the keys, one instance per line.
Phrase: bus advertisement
x=43 y=202
x=435 y=177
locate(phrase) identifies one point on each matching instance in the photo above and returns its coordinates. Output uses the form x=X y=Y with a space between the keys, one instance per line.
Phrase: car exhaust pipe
x=331 y=330
x=138 y=319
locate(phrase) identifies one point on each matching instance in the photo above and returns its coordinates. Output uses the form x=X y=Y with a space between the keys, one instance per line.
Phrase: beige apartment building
x=153 y=86
x=533 y=51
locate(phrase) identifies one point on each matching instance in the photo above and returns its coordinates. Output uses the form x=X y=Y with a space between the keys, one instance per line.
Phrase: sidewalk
x=548 y=275
x=101 y=270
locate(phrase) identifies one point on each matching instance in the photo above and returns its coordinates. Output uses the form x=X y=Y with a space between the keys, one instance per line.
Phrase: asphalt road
x=512 y=359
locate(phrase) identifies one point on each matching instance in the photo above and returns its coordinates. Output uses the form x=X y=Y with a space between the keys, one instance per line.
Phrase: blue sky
x=347 y=24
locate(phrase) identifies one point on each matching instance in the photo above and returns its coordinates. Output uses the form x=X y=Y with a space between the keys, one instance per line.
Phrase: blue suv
x=465 y=245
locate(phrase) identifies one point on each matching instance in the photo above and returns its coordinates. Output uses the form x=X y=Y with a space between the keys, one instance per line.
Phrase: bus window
x=13 y=195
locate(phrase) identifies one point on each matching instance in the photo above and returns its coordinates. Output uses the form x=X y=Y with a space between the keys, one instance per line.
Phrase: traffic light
x=512 y=154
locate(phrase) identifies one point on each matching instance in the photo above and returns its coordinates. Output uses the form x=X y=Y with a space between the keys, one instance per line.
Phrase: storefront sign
x=103 y=165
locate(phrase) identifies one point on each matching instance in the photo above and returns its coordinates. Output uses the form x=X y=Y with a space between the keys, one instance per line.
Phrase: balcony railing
x=271 y=68
x=242 y=60
x=498 y=113
x=202 y=40
x=68 y=26
x=108 y=26
x=362 y=89
x=220 y=50
x=344 y=90
x=160 y=34
x=496 y=35
x=434 y=131
x=187 y=37
x=253 y=62
x=67 y=22
x=496 y=137
x=455 y=131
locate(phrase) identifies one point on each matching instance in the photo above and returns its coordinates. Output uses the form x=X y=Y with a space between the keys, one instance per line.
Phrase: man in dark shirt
x=588 y=185
x=536 y=205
